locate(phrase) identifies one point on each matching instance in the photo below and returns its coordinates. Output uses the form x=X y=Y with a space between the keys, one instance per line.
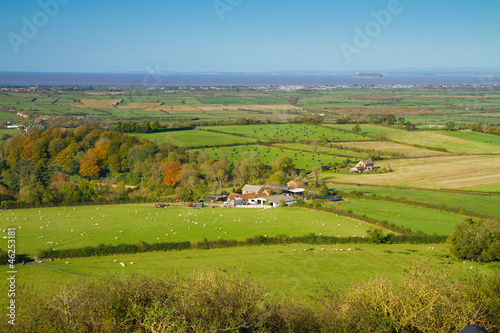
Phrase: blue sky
x=247 y=35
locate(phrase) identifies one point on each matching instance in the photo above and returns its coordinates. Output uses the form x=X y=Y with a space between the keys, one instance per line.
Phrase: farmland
x=118 y=224
x=457 y=143
x=447 y=172
x=422 y=219
x=305 y=272
x=196 y=137
x=472 y=202
x=290 y=133
x=269 y=154
x=453 y=169
x=386 y=148
x=426 y=105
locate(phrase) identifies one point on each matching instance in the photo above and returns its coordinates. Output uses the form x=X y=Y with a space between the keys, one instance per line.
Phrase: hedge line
x=139 y=247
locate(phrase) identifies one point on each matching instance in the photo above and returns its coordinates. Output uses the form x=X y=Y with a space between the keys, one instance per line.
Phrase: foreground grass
x=298 y=275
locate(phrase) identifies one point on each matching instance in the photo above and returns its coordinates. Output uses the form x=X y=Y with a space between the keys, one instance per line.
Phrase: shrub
x=476 y=240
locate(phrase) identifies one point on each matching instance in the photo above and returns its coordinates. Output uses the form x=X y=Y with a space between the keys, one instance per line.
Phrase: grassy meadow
x=290 y=132
x=72 y=227
x=473 y=202
x=429 y=221
x=302 y=160
x=299 y=274
x=326 y=150
x=193 y=138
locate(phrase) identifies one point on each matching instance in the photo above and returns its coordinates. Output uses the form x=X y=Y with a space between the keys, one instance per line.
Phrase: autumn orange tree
x=171 y=173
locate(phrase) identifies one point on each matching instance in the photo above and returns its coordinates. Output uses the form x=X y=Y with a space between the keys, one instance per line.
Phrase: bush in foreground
x=476 y=240
x=424 y=300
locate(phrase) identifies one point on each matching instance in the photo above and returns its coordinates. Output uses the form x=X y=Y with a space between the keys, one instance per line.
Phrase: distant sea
x=145 y=79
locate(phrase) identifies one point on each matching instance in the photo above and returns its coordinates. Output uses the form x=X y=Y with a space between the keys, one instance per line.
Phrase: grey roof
x=280 y=187
x=252 y=188
x=278 y=197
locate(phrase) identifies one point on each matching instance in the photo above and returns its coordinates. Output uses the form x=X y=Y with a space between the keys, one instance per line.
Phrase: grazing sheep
x=123 y=264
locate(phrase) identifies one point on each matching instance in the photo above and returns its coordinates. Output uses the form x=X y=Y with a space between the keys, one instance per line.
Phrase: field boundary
x=491 y=194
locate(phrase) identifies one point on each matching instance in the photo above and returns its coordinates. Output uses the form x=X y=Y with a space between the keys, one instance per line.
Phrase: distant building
x=252 y=189
x=364 y=166
x=22 y=114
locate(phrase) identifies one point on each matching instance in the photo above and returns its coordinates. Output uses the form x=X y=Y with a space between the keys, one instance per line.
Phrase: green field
x=297 y=275
x=193 y=138
x=269 y=155
x=427 y=220
x=477 y=203
x=462 y=142
x=290 y=132
x=126 y=224
x=486 y=188
x=487 y=139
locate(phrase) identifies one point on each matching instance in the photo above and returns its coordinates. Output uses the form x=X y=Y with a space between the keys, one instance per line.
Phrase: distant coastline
x=367 y=76
x=239 y=79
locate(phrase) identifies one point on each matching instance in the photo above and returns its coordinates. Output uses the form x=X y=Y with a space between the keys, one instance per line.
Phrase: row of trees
x=147 y=127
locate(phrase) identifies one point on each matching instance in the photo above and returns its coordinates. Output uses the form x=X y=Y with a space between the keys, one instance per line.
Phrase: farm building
x=252 y=189
x=284 y=189
x=363 y=166
x=298 y=182
x=238 y=199
x=274 y=200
